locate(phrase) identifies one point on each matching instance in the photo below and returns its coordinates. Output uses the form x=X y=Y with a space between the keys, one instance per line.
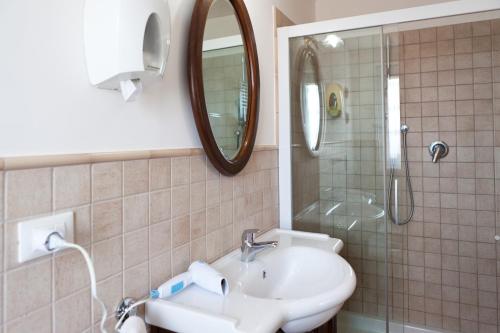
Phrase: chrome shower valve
x=438 y=150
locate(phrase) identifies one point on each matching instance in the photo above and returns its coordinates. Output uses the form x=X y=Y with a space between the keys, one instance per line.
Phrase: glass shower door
x=338 y=159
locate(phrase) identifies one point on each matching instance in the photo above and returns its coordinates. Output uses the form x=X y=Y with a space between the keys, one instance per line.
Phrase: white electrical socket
x=31 y=235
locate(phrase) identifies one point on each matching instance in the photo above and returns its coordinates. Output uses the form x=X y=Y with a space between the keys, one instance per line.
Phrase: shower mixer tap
x=438 y=150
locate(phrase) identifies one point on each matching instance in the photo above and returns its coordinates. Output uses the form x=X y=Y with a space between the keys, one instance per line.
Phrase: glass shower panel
x=339 y=188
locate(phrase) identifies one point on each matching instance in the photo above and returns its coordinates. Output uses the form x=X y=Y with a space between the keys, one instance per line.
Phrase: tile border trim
x=41 y=161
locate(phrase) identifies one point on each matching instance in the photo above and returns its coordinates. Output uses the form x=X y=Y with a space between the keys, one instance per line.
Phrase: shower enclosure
x=361 y=101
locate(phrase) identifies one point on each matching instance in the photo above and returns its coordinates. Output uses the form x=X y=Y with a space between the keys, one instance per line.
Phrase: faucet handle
x=248 y=235
x=438 y=150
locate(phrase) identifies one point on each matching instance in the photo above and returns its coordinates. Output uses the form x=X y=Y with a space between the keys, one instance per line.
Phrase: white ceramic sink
x=297 y=287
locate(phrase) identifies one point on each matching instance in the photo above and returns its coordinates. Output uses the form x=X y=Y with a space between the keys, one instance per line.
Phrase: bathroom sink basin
x=289 y=273
x=297 y=287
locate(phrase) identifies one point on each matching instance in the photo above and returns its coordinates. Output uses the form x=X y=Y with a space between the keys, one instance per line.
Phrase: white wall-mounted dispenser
x=126 y=43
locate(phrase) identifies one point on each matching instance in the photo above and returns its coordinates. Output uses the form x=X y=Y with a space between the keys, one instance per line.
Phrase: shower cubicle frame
x=380 y=19
x=376 y=20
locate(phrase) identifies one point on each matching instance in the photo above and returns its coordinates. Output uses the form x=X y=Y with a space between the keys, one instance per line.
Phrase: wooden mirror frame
x=197 y=94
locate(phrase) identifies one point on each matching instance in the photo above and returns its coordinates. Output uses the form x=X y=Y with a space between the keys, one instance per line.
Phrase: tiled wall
x=444 y=262
x=142 y=221
x=222 y=77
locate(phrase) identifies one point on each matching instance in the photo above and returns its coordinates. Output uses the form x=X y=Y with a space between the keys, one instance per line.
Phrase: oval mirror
x=311 y=97
x=224 y=82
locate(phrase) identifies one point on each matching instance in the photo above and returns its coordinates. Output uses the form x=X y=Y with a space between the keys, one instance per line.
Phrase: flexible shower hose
x=396 y=220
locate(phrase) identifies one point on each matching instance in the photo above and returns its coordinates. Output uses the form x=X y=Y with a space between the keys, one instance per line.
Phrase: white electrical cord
x=56 y=241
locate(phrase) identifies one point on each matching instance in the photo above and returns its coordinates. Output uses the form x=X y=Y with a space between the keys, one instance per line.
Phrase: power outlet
x=31 y=235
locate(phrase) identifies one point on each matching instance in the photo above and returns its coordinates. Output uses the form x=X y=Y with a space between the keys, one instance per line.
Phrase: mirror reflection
x=311 y=99
x=224 y=77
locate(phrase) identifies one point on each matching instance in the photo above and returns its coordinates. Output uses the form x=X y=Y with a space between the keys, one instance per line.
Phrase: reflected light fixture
x=333 y=40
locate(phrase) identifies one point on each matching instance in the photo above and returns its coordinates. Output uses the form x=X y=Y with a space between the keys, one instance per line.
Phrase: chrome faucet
x=250 y=248
x=438 y=150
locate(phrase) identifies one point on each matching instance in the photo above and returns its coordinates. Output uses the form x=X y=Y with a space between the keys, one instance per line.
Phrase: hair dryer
x=199 y=273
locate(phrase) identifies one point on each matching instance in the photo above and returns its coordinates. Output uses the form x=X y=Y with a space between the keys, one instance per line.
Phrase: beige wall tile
x=483 y=75
x=428 y=64
x=180 y=231
x=136 y=281
x=107 y=256
x=1 y=196
x=2 y=227
x=198 y=196
x=180 y=171
x=445 y=32
x=411 y=37
x=227 y=238
x=198 y=224
x=495 y=26
x=429 y=79
x=73 y=314
x=214 y=245
x=82 y=226
x=71 y=186
x=481 y=44
x=33 y=283
x=180 y=259
x=180 y=201
x=213 y=193
x=199 y=249
x=226 y=212
x=463 y=45
x=106 y=180
x=28 y=193
x=463 y=30
x=160 y=206
x=481 y=59
x=481 y=28
x=160 y=173
x=111 y=293
x=160 y=238
x=463 y=76
x=135 y=212
x=70 y=272
x=135 y=177
x=106 y=219
x=428 y=35
x=212 y=173
x=198 y=168
x=463 y=61
x=213 y=219
x=428 y=50
x=161 y=269
x=445 y=47
x=39 y=321
x=226 y=187
x=136 y=247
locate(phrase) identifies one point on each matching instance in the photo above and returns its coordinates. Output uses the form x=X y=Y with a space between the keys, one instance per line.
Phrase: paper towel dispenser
x=126 y=43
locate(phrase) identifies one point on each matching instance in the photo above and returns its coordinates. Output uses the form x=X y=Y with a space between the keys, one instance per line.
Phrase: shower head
x=404 y=128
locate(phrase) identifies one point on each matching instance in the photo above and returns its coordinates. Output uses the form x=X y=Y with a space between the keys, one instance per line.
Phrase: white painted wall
x=47 y=105
x=329 y=9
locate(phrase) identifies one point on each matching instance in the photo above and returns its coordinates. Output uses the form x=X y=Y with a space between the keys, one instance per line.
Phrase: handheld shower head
x=404 y=128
